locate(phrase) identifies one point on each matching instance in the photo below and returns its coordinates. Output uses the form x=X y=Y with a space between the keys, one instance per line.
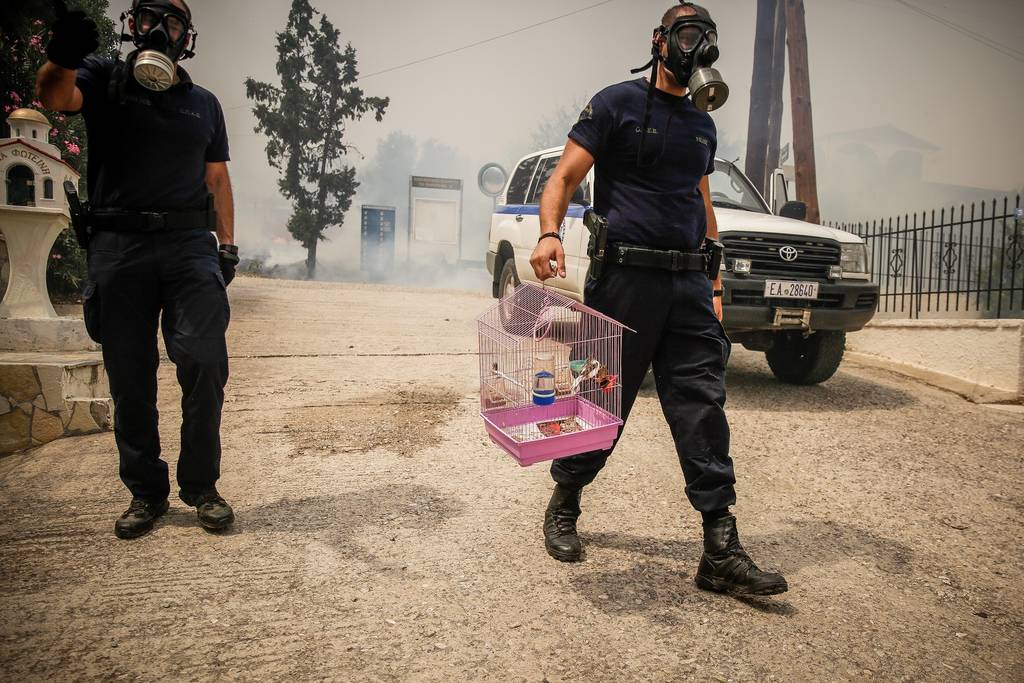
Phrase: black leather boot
x=726 y=568
x=213 y=511
x=560 y=537
x=139 y=517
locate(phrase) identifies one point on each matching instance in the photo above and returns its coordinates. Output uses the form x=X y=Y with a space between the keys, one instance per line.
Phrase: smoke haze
x=909 y=112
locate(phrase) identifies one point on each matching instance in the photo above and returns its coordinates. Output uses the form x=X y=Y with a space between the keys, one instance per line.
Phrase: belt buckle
x=155 y=221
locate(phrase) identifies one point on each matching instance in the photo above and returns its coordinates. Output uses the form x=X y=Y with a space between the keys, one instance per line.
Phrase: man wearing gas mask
x=158 y=189
x=652 y=145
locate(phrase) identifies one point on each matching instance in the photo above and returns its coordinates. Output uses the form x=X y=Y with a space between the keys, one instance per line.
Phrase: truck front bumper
x=841 y=305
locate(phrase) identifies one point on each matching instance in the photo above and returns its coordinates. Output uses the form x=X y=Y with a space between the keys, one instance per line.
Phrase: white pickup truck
x=792 y=289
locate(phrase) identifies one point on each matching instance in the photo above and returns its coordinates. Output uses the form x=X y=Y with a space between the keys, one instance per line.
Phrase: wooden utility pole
x=800 y=95
x=776 y=110
x=760 y=93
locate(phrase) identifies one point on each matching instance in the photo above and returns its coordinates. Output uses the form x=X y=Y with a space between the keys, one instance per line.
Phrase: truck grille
x=814 y=256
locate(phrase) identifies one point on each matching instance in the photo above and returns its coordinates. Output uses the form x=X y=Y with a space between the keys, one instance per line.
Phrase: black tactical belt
x=642 y=257
x=152 y=221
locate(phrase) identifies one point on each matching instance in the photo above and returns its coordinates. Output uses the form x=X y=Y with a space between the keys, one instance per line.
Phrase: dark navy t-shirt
x=149 y=153
x=658 y=204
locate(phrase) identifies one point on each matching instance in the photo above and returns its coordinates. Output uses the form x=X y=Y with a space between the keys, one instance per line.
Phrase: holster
x=79 y=215
x=714 y=252
x=597 y=245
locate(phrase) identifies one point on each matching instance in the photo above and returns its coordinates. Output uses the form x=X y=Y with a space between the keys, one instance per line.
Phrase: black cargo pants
x=137 y=280
x=676 y=331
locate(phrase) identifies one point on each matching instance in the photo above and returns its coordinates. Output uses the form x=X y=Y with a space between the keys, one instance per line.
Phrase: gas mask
x=161 y=32
x=692 y=48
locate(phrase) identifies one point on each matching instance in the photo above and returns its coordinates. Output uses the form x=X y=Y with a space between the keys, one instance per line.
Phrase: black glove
x=228 y=254
x=74 y=36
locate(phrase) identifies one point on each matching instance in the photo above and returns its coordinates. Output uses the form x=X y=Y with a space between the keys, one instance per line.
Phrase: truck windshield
x=730 y=189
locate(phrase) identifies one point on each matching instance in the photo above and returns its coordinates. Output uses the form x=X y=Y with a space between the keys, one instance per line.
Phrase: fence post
x=1002 y=258
x=991 y=251
x=915 y=289
x=971 y=259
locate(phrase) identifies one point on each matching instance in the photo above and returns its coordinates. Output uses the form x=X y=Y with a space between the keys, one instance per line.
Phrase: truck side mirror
x=794 y=209
x=578 y=197
x=778 y=191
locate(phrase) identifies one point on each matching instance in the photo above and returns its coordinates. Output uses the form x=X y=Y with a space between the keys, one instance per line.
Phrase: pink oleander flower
x=72 y=148
x=36 y=42
x=37 y=22
x=15 y=97
x=53 y=132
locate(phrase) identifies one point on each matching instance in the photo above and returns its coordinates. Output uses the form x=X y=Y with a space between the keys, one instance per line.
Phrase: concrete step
x=46 y=396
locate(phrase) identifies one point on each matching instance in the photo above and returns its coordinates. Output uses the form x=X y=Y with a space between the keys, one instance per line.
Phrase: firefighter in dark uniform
x=652 y=149
x=159 y=188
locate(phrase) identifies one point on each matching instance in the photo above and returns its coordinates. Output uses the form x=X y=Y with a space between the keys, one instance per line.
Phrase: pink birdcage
x=550 y=375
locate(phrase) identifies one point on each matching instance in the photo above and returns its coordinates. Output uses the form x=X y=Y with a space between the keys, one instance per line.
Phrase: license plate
x=786 y=289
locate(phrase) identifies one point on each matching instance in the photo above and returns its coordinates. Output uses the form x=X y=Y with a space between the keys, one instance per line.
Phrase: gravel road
x=380 y=536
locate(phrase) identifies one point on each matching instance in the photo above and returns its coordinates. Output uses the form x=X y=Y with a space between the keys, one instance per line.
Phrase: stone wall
x=43 y=402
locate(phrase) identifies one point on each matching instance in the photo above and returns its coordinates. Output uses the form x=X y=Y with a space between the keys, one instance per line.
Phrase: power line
x=1010 y=52
x=466 y=47
x=485 y=40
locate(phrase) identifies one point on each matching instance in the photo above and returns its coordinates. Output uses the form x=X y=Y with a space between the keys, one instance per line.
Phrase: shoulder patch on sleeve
x=587 y=113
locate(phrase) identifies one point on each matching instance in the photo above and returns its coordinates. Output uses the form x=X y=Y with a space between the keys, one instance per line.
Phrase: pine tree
x=305 y=120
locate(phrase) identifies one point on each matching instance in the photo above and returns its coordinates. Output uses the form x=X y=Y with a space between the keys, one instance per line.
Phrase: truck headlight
x=853 y=258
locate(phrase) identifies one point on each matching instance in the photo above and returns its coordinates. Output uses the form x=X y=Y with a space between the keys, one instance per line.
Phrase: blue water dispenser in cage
x=544 y=378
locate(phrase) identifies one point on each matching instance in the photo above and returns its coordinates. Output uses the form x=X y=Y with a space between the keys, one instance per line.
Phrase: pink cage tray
x=602 y=428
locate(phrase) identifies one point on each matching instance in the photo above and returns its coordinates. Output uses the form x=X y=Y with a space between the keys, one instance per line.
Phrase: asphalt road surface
x=380 y=535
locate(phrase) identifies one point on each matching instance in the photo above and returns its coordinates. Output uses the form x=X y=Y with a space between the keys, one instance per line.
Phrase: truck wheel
x=796 y=360
x=509 y=278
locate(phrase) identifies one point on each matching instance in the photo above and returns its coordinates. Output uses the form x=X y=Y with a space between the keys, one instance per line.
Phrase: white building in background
x=873 y=173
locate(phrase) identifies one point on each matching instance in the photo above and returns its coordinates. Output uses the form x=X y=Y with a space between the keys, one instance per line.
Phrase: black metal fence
x=955 y=262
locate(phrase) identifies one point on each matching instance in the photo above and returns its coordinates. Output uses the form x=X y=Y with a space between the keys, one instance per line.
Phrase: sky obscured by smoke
x=909 y=112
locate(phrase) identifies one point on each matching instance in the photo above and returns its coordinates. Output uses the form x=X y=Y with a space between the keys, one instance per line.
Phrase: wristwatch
x=717 y=292
x=229 y=248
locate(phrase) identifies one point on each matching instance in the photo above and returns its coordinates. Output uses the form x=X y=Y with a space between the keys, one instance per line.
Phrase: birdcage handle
x=542 y=328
